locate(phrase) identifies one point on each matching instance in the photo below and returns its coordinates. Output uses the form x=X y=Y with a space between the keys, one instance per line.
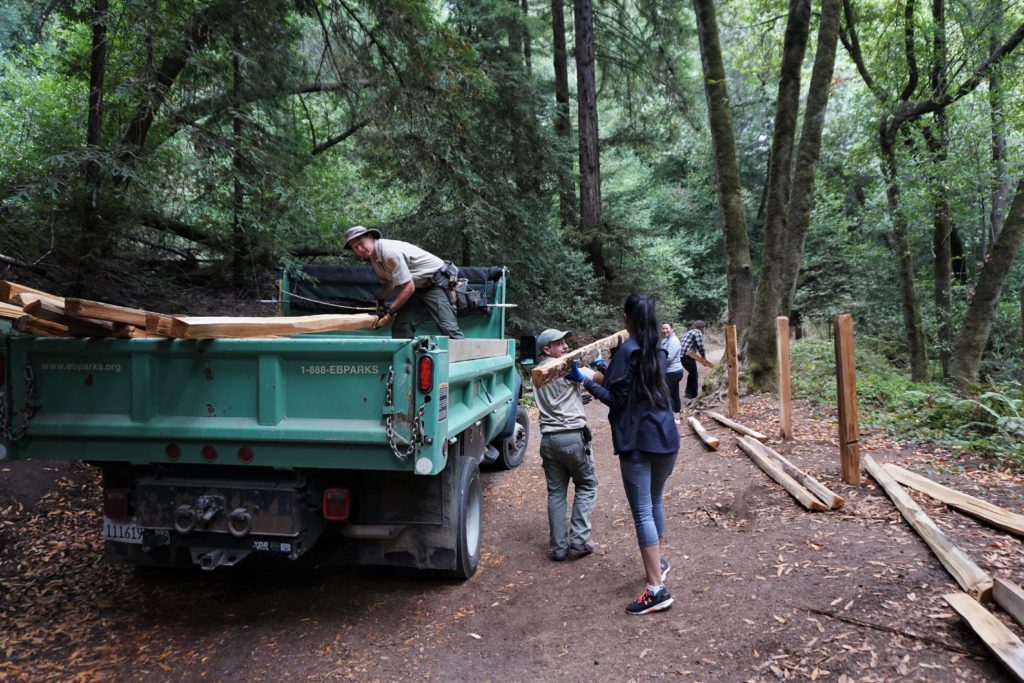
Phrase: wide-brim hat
x=358 y=231
x=550 y=336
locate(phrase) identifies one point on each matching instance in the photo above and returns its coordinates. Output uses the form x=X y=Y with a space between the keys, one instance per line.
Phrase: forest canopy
x=737 y=160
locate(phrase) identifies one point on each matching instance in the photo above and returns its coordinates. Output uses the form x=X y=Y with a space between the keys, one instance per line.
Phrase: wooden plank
x=23 y=299
x=976 y=507
x=736 y=426
x=846 y=388
x=541 y=375
x=40 y=328
x=733 y=366
x=8 y=290
x=44 y=309
x=101 y=311
x=159 y=325
x=699 y=358
x=234 y=327
x=785 y=388
x=471 y=349
x=10 y=311
x=802 y=495
x=1010 y=597
x=832 y=500
x=709 y=440
x=1001 y=640
x=968 y=574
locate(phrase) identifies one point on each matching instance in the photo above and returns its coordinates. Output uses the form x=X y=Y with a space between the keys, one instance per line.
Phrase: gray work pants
x=432 y=301
x=565 y=457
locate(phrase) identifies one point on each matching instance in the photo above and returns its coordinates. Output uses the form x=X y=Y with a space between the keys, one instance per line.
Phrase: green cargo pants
x=432 y=301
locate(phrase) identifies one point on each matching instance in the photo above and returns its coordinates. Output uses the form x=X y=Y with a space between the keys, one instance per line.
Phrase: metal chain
x=402 y=455
x=7 y=429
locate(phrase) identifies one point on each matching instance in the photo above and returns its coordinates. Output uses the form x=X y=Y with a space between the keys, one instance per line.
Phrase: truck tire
x=470 y=518
x=513 y=447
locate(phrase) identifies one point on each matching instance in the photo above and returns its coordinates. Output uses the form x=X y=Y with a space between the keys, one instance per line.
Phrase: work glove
x=383 y=317
x=574 y=373
x=599 y=363
x=382 y=307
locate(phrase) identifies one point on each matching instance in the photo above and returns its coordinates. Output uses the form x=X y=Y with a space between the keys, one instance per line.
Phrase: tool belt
x=462 y=297
x=584 y=431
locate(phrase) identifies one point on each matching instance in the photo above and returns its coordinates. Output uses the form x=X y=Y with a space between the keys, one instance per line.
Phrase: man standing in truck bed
x=421 y=282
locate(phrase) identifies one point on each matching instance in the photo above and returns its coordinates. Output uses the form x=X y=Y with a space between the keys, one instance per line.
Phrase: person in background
x=693 y=340
x=674 y=367
x=644 y=436
x=421 y=282
x=565 y=453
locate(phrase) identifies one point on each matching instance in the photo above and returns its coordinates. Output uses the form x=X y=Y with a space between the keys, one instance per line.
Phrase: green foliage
x=990 y=423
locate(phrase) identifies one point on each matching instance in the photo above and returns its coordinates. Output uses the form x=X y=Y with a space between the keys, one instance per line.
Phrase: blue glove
x=574 y=373
x=599 y=363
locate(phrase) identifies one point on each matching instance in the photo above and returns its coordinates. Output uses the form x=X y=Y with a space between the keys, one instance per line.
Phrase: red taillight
x=173 y=451
x=115 y=504
x=209 y=453
x=245 y=454
x=336 y=504
x=425 y=374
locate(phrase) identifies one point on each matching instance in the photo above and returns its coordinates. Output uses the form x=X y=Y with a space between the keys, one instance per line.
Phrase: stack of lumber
x=807 y=490
x=34 y=312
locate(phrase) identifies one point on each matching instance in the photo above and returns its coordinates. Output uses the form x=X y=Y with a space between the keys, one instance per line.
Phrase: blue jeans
x=644 y=483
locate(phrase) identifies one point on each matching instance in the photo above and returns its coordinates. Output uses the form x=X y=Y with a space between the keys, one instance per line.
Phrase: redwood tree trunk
x=761 y=355
x=563 y=123
x=590 y=159
x=739 y=274
x=972 y=338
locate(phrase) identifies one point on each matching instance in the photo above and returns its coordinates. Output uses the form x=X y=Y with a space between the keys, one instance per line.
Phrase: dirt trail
x=764 y=590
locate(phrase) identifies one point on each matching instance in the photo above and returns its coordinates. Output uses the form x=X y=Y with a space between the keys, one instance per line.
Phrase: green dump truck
x=212 y=450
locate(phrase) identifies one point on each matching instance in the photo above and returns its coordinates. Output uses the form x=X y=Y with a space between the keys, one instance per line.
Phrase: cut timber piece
x=159 y=325
x=969 y=575
x=10 y=311
x=84 y=308
x=976 y=507
x=832 y=500
x=1010 y=597
x=709 y=441
x=8 y=290
x=44 y=309
x=24 y=299
x=229 y=327
x=699 y=358
x=1001 y=640
x=736 y=426
x=40 y=328
x=773 y=470
x=582 y=355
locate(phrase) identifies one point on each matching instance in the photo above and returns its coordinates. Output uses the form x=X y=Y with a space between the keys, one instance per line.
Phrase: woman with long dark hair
x=645 y=438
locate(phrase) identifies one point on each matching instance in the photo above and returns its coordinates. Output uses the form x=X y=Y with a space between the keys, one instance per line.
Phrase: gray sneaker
x=650 y=602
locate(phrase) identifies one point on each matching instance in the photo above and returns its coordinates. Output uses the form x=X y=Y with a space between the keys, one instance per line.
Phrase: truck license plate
x=122 y=532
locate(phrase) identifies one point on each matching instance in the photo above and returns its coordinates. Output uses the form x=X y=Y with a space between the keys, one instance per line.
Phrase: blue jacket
x=636 y=424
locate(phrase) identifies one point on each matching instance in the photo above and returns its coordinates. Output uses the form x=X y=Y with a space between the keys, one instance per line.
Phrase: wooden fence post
x=785 y=393
x=846 y=386
x=734 y=370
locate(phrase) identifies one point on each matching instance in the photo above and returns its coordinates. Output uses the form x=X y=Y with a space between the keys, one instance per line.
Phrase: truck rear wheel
x=513 y=447
x=470 y=518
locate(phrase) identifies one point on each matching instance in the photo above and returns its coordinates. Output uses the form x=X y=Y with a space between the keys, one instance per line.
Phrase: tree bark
x=739 y=274
x=970 y=342
x=590 y=159
x=1000 y=192
x=761 y=354
x=801 y=199
x=563 y=122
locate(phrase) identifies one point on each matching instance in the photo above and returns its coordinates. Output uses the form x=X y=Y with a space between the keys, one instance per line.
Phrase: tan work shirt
x=398 y=262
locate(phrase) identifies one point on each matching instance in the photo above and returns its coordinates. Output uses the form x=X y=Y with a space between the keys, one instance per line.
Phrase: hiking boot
x=559 y=555
x=665 y=569
x=650 y=602
x=582 y=550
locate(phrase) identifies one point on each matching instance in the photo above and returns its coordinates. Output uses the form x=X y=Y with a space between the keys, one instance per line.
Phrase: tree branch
x=341 y=137
x=852 y=45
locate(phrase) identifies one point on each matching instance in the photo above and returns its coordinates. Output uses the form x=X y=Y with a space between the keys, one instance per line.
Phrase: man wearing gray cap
x=565 y=453
x=419 y=279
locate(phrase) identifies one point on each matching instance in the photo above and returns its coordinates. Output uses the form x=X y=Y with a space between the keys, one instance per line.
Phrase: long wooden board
x=1010 y=597
x=1001 y=640
x=541 y=375
x=95 y=309
x=45 y=309
x=976 y=507
x=232 y=327
x=709 y=440
x=829 y=498
x=8 y=290
x=40 y=328
x=699 y=358
x=969 y=575
x=802 y=495
x=736 y=426
x=10 y=311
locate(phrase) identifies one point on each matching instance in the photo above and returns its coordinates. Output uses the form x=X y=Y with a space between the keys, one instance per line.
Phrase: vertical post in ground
x=734 y=370
x=785 y=393
x=846 y=385
x=1022 y=314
